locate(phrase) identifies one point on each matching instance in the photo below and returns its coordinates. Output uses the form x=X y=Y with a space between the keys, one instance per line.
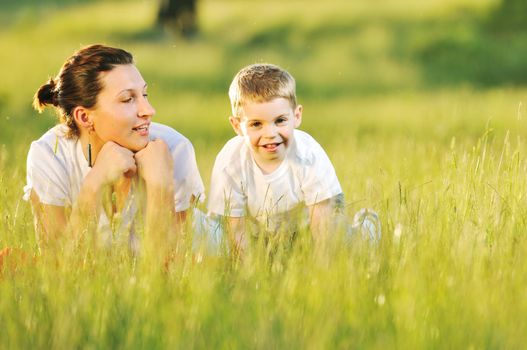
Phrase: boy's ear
x=82 y=117
x=298 y=115
x=235 y=123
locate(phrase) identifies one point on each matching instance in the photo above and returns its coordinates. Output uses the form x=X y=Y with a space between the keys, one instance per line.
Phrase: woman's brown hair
x=78 y=83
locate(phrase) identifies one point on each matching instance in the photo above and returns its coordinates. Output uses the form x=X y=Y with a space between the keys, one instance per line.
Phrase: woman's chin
x=137 y=146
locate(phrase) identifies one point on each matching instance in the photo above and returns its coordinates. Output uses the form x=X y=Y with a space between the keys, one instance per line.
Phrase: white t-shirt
x=239 y=188
x=56 y=168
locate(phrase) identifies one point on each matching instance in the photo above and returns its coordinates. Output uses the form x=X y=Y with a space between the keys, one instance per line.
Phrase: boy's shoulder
x=307 y=149
x=232 y=155
x=232 y=147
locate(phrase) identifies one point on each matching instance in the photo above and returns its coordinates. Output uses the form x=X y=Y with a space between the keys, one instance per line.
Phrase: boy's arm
x=227 y=196
x=236 y=233
x=320 y=218
x=326 y=216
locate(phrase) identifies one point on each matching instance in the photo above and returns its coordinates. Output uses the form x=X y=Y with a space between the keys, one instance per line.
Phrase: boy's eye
x=255 y=124
x=145 y=95
x=281 y=120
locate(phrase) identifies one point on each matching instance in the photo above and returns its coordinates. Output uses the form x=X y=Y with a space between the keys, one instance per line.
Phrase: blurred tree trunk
x=178 y=16
x=509 y=16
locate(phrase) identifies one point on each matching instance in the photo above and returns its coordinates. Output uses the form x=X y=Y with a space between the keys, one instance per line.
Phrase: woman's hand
x=114 y=161
x=155 y=165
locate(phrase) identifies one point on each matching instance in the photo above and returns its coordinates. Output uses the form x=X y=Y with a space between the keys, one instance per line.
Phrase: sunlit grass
x=445 y=168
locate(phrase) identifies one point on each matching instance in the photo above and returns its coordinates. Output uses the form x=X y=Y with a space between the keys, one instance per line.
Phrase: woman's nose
x=145 y=108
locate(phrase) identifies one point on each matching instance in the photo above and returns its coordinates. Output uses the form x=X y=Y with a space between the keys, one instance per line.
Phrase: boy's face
x=267 y=128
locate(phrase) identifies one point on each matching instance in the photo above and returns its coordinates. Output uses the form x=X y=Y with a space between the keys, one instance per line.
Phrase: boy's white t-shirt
x=239 y=188
x=56 y=168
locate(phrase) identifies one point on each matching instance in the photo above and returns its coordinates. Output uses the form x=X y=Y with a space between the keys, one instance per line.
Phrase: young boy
x=271 y=173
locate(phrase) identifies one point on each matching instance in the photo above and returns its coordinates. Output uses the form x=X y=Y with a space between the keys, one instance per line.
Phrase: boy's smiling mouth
x=270 y=147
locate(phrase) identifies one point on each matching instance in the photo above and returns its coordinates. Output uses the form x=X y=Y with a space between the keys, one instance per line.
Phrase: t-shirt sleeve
x=320 y=179
x=226 y=196
x=46 y=176
x=187 y=180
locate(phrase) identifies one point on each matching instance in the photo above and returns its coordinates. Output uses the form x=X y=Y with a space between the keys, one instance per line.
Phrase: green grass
x=443 y=163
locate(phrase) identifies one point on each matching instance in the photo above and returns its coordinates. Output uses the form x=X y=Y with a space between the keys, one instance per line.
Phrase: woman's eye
x=127 y=100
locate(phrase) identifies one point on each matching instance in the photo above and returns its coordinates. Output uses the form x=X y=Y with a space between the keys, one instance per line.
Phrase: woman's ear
x=298 y=115
x=82 y=117
x=235 y=123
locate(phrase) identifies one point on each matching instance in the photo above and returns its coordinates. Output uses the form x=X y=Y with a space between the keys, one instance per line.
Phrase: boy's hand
x=237 y=235
x=320 y=215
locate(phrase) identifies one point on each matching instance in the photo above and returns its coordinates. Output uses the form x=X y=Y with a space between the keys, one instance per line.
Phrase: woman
x=106 y=162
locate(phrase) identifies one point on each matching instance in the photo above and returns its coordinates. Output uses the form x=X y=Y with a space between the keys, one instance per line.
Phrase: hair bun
x=46 y=95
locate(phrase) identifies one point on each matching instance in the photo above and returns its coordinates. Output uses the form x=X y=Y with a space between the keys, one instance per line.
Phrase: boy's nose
x=270 y=131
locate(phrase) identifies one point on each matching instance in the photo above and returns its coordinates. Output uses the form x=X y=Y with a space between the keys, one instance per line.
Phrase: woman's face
x=122 y=113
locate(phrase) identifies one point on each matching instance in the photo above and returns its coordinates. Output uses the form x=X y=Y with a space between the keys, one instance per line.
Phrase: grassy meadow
x=414 y=131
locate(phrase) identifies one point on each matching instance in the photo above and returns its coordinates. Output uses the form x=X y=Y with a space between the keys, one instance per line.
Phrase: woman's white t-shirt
x=56 y=168
x=239 y=188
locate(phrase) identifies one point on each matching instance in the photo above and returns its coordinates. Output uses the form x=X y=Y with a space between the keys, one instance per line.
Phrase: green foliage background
x=419 y=105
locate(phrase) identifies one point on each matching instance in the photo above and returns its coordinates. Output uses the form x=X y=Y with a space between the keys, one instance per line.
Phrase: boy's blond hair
x=261 y=82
